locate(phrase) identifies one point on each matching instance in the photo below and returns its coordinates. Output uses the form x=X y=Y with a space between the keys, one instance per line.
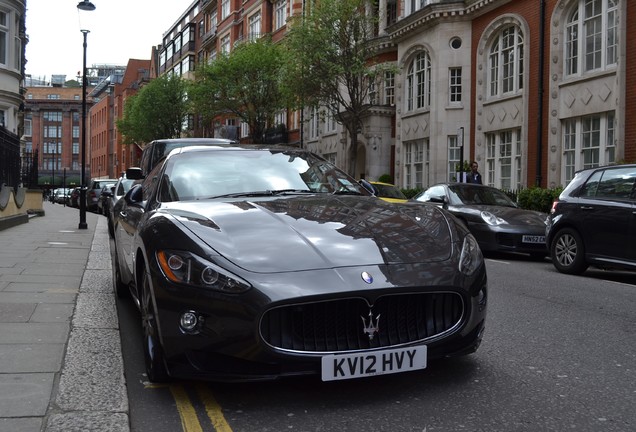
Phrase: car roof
x=192 y=141
x=238 y=147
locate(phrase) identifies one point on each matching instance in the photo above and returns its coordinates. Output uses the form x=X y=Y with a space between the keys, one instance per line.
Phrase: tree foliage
x=331 y=62
x=247 y=83
x=157 y=111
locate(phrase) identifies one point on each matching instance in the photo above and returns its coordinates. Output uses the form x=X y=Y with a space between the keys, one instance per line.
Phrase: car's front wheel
x=153 y=352
x=568 y=252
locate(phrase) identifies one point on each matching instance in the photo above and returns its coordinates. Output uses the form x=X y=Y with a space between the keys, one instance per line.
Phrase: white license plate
x=370 y=363
x=533 y=239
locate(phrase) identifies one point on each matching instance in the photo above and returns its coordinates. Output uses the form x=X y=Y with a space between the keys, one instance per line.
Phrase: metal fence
x=10 y=160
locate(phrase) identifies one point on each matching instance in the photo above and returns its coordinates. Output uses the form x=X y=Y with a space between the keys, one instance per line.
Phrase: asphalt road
x=559 y=354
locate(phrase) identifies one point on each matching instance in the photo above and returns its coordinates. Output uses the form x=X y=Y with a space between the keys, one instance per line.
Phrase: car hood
x=316 y=232
x=512 y=215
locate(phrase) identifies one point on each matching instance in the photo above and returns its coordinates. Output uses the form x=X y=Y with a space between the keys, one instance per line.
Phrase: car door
x=129 y=212
x=609 y=222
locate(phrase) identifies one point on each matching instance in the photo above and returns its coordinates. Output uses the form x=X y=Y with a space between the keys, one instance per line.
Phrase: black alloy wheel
x=153 y=353
x=568 y=252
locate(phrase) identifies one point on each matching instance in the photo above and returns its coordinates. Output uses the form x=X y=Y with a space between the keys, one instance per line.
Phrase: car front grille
x=338 y=325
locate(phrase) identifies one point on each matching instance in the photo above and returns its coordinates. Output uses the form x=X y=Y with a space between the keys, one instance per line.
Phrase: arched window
x=505 y=62
x=591 y=36
x=418 y=82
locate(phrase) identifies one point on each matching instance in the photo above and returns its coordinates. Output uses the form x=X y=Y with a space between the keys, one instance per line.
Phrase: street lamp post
x=84 y=5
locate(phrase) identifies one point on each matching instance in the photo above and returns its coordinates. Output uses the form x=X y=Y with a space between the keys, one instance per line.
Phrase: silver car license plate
x=533 y=239
x=370 y=363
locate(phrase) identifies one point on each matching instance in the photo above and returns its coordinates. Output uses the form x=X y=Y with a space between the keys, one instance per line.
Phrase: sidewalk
x=61 y=368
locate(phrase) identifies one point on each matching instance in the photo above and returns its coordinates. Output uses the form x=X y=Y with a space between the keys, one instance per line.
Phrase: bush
x=386 y=178
x=538 y=199
x=410 y=193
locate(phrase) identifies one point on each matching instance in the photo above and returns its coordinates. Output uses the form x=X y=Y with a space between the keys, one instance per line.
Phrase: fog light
x=189 y=321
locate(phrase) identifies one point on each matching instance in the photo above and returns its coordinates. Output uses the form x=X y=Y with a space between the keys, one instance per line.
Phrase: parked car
x=496 y=221
x=74 y=197
x=592 y=223
x=104 y=198
x=388 y=192
x=255 y=262
x=61 y=195
x=119 y=190
x=157 y=149
x=94 y=190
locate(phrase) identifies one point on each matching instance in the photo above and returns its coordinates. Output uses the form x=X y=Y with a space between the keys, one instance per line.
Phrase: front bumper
x=250 y=337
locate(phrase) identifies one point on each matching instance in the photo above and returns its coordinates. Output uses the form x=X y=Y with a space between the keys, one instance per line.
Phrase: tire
x=121 y=289
x=111 y=230
x=153 y=352
x=568 y=252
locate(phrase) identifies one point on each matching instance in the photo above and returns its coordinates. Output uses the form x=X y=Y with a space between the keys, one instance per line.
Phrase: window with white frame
x=389 y=88
x=280 y=118
x=225 y=44
x=503 y=159
x=413 y=6
x=455 y=85
x=454 y=158
x=591 y=36
x=254 y=26
x=280 y=13
x=314 y=121
x=416 y=162
x=213 y=21
x=505 y=62
x=418 y=82
x=373 y=92
x=17 y=44
x=225 y=9
x=330 y=157
x=587 y=142
x=330 y=122
x=4 y=37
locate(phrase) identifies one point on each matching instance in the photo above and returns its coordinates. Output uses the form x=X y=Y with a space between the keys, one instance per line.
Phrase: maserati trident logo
x=371 y=328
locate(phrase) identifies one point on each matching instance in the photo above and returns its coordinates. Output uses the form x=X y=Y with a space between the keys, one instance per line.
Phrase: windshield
x=478 y=195
x=222 y=173
x=388 y=191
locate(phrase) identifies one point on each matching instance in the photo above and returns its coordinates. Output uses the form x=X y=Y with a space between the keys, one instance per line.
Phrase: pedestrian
x=473 y=175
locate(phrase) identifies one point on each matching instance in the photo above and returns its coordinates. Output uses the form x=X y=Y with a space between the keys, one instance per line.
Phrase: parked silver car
x=94 y=191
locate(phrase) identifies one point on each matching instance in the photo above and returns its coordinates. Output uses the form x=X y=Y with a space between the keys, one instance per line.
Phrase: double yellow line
x=189 y=418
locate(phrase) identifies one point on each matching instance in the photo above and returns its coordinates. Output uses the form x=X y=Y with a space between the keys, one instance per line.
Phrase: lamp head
x=86 y=5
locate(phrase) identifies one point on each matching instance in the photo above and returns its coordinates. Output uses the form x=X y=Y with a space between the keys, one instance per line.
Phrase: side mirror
x=135 y=195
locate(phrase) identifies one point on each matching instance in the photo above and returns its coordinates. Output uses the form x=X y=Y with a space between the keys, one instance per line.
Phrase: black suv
x=155 y=150
x=594 y=221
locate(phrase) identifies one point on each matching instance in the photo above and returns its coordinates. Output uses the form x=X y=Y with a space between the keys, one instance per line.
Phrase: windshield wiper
x=290 y=191
x=344 y=191
x=243 y=194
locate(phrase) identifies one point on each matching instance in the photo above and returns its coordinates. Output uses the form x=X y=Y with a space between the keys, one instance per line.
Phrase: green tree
x=331 y=63
x=157 y=111
x=245 y=83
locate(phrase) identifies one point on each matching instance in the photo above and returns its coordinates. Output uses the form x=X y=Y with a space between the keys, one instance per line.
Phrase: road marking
x=213 y=409
x=188 y=414
x=497 y=261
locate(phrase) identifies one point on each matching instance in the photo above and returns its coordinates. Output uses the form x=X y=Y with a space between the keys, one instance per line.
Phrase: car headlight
x=187 y=268
x=491 y=219
x=471 y=257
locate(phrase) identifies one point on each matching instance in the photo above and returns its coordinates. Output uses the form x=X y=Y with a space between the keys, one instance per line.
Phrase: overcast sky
x=119 y=30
